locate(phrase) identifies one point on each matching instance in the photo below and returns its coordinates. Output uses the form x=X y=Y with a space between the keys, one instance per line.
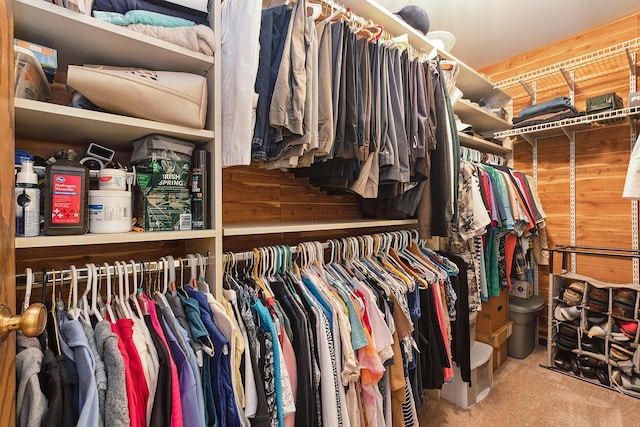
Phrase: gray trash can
x=524 y=314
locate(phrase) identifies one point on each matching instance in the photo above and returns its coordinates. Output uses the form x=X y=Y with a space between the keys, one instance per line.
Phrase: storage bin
x=458 y=392
x=524 y=314
x=497 y=340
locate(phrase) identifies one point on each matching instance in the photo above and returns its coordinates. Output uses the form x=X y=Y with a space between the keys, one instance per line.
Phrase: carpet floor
x=525 y=394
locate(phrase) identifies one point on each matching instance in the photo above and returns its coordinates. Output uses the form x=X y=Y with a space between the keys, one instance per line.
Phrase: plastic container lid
x=480 y=354
x=525 y=305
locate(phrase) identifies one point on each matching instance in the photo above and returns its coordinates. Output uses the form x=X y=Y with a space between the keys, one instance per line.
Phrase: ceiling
x=489 y=31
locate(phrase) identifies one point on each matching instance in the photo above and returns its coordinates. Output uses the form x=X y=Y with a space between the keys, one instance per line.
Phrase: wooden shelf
x=481 y=120
x=293 y=227
x=482 y=144
x=102 y=239
x=74 y=125
x=82 y=39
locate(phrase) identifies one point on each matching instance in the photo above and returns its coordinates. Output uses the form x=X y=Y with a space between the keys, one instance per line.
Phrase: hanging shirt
x=125 y=333
x=199 y=331
x=176 y=406
x=220 y=364
x=100 y=373
x=148 y=358
x=137 y=408
x=85 y=363
x=116 y=412
x=31 y=403
x=240 y=30
x=51 y=383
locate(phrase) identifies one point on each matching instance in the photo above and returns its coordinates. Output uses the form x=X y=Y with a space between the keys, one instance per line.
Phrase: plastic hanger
x=94 y=294
x=193 y=280
x=172 y=273
x=165 y=275
x=160 y=294
x=316 y=10
x=202 y=278
x=112 y=316
x=86 y=309
x=53 y=306
x=134 y=294
x=335 y=13
x=72 y=309
x=27 y=291
x=121 y=299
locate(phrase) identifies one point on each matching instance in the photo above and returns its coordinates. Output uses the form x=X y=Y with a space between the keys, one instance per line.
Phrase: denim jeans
x=273 y=32
x=556 y=104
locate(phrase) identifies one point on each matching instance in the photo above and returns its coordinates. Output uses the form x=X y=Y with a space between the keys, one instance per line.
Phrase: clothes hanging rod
x=586 y=250
x=246 y=255
x=64 y=275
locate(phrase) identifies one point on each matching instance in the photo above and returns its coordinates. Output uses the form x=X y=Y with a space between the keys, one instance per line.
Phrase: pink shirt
x=137 y=411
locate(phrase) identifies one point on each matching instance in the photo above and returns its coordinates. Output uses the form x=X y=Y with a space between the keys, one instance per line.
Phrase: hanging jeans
x=273 y=32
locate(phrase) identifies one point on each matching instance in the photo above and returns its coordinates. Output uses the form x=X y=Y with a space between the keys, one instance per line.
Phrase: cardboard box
x=494 y=314
x=497 y=340
x=522 y=289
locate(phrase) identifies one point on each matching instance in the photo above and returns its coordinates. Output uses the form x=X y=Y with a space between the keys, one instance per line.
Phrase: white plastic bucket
x=112 y=179
x=109 y=211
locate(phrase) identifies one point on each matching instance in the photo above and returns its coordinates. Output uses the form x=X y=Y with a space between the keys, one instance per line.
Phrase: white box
x=522 y=289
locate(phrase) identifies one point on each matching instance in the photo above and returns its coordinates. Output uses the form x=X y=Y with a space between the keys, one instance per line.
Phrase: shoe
x=584 y=360
x=566 y=313
x=561 y=362
x=626 y=366
x=590 y=347
x=574 y=366
x=597 y=331
x=631 y=382
x=588 y=371
x=602 y=376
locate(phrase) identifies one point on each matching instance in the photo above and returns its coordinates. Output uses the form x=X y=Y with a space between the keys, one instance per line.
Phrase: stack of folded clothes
x=550 y=111
x=624 y=303
x=598 y=300
x=181 y=22
x=573 y=294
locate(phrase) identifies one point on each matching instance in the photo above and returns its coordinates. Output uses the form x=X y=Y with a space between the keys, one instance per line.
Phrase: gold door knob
x=32 y=322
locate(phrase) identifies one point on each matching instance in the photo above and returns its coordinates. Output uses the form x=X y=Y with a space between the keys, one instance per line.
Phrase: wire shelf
x=573 y=124
x=609 y=60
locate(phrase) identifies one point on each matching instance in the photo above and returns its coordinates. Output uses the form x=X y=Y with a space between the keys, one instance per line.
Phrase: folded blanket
x=141 y=17
x=198 y=38
x=158 y=6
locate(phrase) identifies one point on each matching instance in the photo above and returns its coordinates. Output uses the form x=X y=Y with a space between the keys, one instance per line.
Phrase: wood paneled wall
x=254 y=195
x=603 y=218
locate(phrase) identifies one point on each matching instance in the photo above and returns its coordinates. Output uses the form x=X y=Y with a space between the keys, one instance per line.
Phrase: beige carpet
x=525 y=394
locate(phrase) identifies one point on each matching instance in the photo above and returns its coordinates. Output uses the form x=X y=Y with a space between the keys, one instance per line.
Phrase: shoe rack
x=594 y=326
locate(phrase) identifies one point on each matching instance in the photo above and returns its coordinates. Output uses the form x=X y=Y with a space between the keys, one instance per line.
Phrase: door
x=7 y=222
